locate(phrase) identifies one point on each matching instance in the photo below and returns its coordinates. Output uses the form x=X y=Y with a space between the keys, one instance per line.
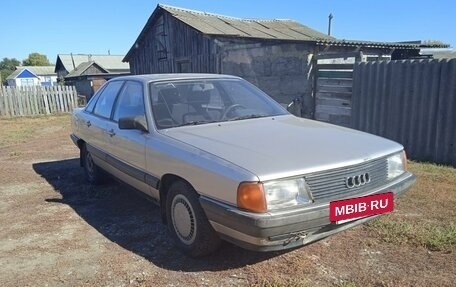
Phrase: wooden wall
x=171 y=46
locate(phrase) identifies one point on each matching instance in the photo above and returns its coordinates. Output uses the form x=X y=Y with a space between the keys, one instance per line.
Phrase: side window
x=103 y=107
x=91 y=104
x=130 y=102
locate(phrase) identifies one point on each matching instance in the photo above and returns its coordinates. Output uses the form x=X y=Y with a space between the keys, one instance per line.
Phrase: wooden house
x=282 y=57
x=88 y=72
x=32 y=76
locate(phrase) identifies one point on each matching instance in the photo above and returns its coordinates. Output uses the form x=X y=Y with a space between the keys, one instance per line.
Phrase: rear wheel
x=187 y=222
x=93 y=173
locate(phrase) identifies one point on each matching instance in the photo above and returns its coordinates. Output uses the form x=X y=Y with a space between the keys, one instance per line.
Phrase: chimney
x=330 y=17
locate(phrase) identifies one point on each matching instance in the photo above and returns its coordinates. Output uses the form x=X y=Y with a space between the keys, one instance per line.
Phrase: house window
x=27 y=82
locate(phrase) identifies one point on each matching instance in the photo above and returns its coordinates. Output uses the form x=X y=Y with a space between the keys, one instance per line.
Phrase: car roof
x=176 y=76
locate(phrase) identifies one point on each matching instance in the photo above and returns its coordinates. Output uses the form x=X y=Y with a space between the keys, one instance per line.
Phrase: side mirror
x=133 y=123
x=295 y=107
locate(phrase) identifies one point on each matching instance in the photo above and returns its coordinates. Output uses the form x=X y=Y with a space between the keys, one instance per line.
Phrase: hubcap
x=183 y=217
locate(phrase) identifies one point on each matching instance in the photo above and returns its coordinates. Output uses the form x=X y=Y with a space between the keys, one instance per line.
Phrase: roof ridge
x=164 y=6
x=82 y=54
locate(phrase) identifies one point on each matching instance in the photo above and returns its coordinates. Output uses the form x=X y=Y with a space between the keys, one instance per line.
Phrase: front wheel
x=187 y=222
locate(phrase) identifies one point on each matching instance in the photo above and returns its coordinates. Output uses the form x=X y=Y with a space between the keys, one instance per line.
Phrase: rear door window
x=103 y=107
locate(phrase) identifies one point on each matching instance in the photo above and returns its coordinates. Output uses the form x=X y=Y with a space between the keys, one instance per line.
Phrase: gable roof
x=112 y=63
x=83 y=67
x=34 y=70
x=220 y=25
x=213 y=24
x=276 y=29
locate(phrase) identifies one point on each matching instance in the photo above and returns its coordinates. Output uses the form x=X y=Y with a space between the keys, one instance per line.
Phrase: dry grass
x=115 y=233
x=426 y=216
x=21 y=129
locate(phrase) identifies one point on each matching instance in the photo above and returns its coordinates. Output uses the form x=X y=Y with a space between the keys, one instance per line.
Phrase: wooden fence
x=37 y=100
x=412 y=102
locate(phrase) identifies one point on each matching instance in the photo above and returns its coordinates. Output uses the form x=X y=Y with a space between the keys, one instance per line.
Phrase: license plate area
x=346 y=210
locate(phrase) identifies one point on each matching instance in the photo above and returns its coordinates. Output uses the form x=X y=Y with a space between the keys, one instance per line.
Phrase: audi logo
x=357 y=180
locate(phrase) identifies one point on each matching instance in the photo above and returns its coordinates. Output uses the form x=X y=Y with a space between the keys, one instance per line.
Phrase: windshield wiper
x=194 y=123
x=252 y=116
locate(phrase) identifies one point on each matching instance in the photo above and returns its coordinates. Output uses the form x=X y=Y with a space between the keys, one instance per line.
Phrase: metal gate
x=333 y=85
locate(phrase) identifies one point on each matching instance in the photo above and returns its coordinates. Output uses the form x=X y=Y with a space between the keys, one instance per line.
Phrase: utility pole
x=330 y=17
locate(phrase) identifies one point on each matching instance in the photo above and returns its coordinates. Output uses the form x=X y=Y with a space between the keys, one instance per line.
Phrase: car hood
x=284 y=146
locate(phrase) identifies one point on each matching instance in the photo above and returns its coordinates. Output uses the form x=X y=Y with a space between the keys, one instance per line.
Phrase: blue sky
x=51 y=27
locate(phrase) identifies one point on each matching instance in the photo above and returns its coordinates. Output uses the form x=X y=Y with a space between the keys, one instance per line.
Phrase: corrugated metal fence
x=412 y=102
x=36 y=100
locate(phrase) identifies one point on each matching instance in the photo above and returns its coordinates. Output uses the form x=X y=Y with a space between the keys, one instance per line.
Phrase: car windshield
x=201 y=101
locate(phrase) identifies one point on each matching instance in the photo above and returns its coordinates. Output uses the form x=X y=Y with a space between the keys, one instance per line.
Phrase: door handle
x=111 y=133
x=88 y=123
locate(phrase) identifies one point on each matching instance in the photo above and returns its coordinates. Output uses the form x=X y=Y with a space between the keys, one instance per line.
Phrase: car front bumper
x=285 y=229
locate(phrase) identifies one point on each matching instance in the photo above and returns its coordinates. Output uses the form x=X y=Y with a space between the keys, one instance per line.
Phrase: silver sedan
x=225 y=161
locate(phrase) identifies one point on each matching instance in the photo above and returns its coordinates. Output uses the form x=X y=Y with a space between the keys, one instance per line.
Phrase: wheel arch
x=163 y=186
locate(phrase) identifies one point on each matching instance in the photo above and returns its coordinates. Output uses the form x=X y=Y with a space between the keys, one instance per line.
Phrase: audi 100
x=226 y=162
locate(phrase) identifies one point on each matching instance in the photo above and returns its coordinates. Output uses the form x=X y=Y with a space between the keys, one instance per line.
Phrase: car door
x=98 y=114
x=127 y=147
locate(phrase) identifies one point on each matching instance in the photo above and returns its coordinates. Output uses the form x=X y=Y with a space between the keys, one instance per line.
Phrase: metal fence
x=37 y=100
x=412 y=102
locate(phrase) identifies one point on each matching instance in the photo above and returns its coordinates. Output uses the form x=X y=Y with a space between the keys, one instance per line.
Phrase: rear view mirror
x=133 y=123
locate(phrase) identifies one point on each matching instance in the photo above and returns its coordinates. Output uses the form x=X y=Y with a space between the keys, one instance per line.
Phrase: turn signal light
x=250 y=196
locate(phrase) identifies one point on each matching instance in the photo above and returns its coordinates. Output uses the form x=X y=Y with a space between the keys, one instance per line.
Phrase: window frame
x=124 y=86
x=114 y=102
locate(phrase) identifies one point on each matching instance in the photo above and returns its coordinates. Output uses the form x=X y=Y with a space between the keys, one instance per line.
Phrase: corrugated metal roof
x=373 y=44
x=213 y=24
x=109 y=62
x=277 y=29
x=36 y=70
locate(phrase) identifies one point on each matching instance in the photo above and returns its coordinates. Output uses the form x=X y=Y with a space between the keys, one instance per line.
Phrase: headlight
x=286 y=193
x=396 y=165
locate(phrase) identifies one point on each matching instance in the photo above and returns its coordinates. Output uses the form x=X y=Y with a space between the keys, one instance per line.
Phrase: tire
x=188 y=225
x=93 y=173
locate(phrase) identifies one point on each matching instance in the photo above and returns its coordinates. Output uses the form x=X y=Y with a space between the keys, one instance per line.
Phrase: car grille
x=331 y=184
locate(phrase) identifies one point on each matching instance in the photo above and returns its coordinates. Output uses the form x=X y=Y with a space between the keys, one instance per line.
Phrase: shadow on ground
x=127 y=218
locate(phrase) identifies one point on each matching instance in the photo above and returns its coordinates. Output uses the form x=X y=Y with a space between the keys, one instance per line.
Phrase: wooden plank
x=46 y=102
x=344 y=96
x=34 y=101
x=64 y=99
x=75 y=98
x=335 y=89
x=333 y=102
x=2 y=107
x=52 y=100
x=335 y=66
x=61 y=104
x=334 y=110
x=40 y=100
x=335 y=74
x=3 y=104
x=335 y=82
x=9 y=102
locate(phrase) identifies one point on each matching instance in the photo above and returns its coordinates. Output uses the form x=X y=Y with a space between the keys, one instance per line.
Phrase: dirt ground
x=56 y=230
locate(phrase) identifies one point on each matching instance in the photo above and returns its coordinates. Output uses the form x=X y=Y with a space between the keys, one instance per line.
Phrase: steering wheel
x=230 y=109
